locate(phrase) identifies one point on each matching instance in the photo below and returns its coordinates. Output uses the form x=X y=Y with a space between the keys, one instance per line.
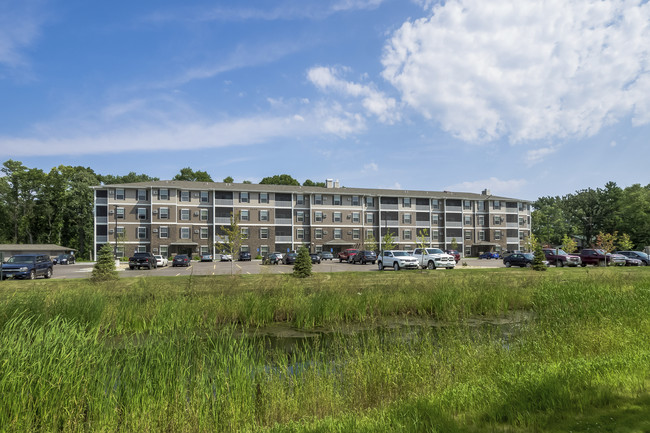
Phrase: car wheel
x=508 y=264
x=528 y=265
x=559 y=264
x=396 y=266
x=601 y=263
x=431 y=265
x=32 y=275
x=131 y=267
x=583 y=264
x=48 y=274
x=373 y=263
x=380 y=265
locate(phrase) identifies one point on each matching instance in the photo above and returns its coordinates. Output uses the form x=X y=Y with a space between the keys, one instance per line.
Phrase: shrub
x=538 y=260
x=104 y=269
x=302 y=266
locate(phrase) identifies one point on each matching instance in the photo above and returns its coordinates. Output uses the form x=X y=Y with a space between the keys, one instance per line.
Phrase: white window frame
x=300 y=199
x=163 y=232
x=264 y=232
x=244 y=232
x=264 y=215
x=318 y=233
x=163 y=213
x=142 y=233
x=300 y=216
x=185 y=233
x=264 y=197
x=370 y=201
x=370 y=217
x=185 y=196
x=481 y=235
x=468 y=235
x=338 y=233
x=467 y=220
x=481 y=220
x=355 y=200
x=497 y=235
x=205 y=197
x=142 y=194
x=300 y=234
x=244 y=197
x=204 y=214
x=435 y=204
x=407 y=235
x=185 y=215
x=356 y=234
x=119 y=194
x=163 y=196
x=406 y=218
x=318 y=216
x=204 y=232
x=318 y=198
x=406 y=202
x=244 y=215
x=356 y=217
x=337 y=217
x=142 y=213
x=435 y=218
x=337 y=200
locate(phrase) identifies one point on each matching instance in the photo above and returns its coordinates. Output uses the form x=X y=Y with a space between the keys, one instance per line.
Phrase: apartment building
x=179 y=217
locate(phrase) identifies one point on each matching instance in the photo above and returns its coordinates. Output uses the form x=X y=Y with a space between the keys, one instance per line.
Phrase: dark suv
x=640 y=255
x=27 y=266
x=559 y=258
x=596 y=257
x=364 y=257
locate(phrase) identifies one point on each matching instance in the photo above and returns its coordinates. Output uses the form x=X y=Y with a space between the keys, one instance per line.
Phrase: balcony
x=223 y=202
x=220 y=239
x=102 y=239
x=384 y=206
x=453 y=208
x=282 y=203
x=422 y=207
x=453 y=224
x=222 y=220
x=512 y=210
x=512 y=240
x=283 y=221
x=512 y=225
x=101 y=200
x=101 y=220
x=389 y=223
x=282 y=239
x=422 y=223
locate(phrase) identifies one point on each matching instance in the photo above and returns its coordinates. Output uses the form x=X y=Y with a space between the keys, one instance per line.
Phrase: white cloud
x=529 y=70
x=373 y=101
x=537 y=155
x=20 y=26
x=370 y=167
x=508 y=188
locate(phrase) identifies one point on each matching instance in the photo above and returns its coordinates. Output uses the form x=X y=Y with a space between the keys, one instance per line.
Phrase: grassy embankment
x=165 y=354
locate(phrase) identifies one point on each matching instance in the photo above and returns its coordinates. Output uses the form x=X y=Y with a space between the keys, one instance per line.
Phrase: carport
x=189 y=248
x=338 y=245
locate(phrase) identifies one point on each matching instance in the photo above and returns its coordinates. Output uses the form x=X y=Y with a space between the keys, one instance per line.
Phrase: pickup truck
x=141 y=260
x=559 y=258
x=346 y=255
x=397 y=259
x=432 y=258
x=596 y=257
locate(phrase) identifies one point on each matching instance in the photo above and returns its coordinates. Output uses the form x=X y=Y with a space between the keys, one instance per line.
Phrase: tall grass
x=159 y=355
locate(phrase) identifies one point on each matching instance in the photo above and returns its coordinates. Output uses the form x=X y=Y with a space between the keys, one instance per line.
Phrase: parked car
x=454 y=253
x=315 y=259
x=272 y=259
x=397 y=260
x=27 y=266
x=617 y=259
x=592 y=256
x=181 y=260
x=64 y=259
x=346 y=255
x=326 y=255
x=433 y=258
x=160 y=260
x=507 y=253
x=364 y=257
x=226 y=258
x=629 y=261
x=143 y=260
x=289 y=258
x=639 y=255
x=559 y=258
x=206 y=257
x=489 y=255
x=519 y=259
x=244 y=256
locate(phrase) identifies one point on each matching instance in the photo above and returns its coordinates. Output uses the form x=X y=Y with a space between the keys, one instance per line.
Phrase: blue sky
x=526 y=98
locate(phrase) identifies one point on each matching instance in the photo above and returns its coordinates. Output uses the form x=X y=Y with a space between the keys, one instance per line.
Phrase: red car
x=454 y=253
x=347 y=255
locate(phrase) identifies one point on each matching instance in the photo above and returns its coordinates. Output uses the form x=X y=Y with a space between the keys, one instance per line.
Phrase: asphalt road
x=83 y=270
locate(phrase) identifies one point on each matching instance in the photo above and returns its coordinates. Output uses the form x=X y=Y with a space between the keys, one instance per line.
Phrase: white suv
x=397 y=259
x=432 y=258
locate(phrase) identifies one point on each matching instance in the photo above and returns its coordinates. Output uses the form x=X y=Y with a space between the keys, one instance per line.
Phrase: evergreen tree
x=302 y=266
x=538 y=259
x=104 y=269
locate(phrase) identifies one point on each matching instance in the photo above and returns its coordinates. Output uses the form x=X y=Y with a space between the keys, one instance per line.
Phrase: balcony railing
x=102 y=239
x=221 y=239
x=282 y=203
x=453 y=224
x=422 y=223
x=102 y=220
x=512 y=210
x=512 y=225
x=223 y=202
x=283 y=221
x=222 y=220
x=421 y=207
x=453 y=208
x=389 y=223
x=101 y=200
x=512 y=240
x=385 y=206
x=282 y=239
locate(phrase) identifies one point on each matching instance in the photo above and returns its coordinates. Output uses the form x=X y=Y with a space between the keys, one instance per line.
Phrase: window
x=245 y=249
x=204 y=214
x=407 y=234
x=337 y=233
x=163 y=232
x=370 y=201
x=468 y=235
x=319 y=248
x=185 y=196
x=522 y=221
x=163 y=194
x=468 y=220
x=481 y=220
x=142 y=213
x=369 y=234
x=435 y=204
x=204 y=197
x=480 y=205
x=370 y=217
x=318 y=199
x=300 y=199
x=120 y=252
x=468 y=251
x=243 y=216
x=204 y=250
x=497 y=235
x=300 y=234
x=264 y=215
x=142 y=194
x=300 y=216
x=163 y=213
x=185 y=232
x=318 y=216
x=141 y=249
x=264 y=250
x=355 y=200
x=337 y=200
x=406 y=218
x=243 y=197
x=264 y=233
x=496 y=204
x=520 y=205
x=406 y=202
x=481 y=235
x=467 y=205
x=521 y=236
x=142 y=233
x=318 y=233
x=264 y=197
x=356 y=234
x=355 y=217
x=185 y=214
x=337 y=217
x=434 y=218
x=119 y=232
x=204 y=232
x=164 y=250
x=497 y=220
x=119 y=194
x=244 y=232
x=434 y=235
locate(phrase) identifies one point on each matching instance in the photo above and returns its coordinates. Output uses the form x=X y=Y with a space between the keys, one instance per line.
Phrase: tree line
x=56 y=207
x=614 y=216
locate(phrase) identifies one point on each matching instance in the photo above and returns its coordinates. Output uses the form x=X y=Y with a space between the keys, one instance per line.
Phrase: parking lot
x=83 y=270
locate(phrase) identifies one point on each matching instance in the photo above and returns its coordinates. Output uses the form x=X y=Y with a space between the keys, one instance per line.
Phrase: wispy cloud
x=20 y=26
x=535 y=156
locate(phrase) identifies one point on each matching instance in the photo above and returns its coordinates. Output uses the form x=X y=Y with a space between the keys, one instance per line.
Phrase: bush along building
x=180 y=217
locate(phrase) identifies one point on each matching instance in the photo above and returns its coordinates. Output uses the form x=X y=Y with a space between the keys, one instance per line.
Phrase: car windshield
x=181 y=257
x=400 y=253
x=528 y=255
x=434 y=251
x=21 y=259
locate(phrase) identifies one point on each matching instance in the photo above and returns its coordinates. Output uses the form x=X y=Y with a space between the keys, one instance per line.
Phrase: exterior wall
x=144 y=215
